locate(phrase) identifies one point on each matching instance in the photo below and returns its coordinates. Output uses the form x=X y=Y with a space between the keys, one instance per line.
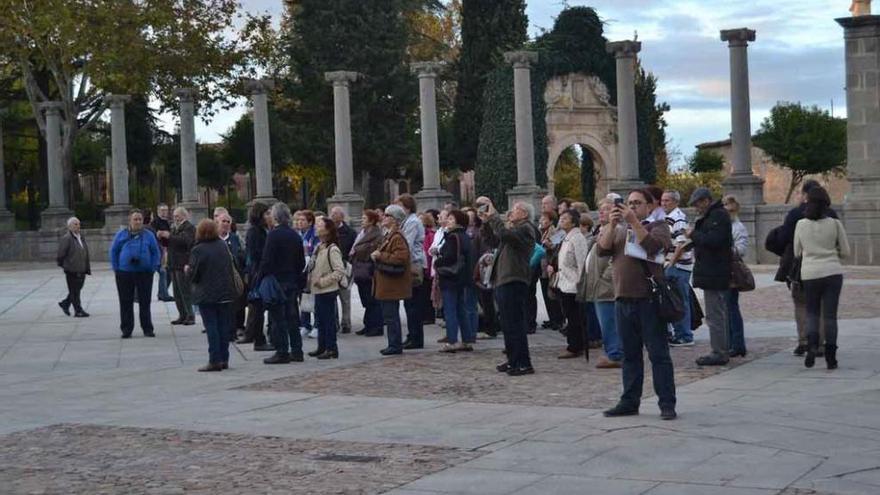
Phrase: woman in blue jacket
x=134 y=256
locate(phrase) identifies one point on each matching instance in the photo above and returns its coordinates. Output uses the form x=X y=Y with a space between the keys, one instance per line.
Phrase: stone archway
x=579 y=112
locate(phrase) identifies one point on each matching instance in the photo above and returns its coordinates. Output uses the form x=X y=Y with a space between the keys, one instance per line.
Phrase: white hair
x=181 y=211
x=340 y=210
x=675 y=195
x=71 y=220
x=528 y=208
x=281 y=213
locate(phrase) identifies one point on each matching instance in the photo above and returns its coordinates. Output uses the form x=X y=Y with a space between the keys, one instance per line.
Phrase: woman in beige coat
x=326 y=270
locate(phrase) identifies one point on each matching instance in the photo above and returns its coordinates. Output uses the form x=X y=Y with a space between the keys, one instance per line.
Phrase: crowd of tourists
x=616 y=284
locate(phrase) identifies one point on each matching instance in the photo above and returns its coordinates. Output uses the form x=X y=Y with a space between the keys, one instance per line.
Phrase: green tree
x=705 y=160
x=651 y=127
x=567 y=176
x=488 y=29
x=92 y=48
x=806 y=140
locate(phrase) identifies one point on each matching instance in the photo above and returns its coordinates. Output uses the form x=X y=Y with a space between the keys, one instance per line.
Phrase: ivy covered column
x=432 y=194
x=350 y=201
x=526 y=189
x=7 y=220
x=625 y=53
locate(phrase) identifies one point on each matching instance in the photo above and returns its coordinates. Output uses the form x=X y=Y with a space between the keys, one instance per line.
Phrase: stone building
x=776 y=178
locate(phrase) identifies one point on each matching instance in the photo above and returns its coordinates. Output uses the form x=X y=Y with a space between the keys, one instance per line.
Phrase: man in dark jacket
x=160 y=223
x=346 y=236
x=712 y=238
x=511 y=276
x=73 y=258
x=786 y=238
x=180 y=243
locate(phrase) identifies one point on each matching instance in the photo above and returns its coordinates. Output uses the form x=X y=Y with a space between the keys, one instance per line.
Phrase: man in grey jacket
x=73 y=258
x=515 y=240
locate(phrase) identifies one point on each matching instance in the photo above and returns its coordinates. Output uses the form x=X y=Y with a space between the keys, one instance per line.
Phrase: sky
x=797 y=56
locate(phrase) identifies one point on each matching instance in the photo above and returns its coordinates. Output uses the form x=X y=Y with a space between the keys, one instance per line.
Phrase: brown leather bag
x=741 y=277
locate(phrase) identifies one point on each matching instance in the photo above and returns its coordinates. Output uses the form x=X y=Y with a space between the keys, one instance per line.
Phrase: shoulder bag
x=741 y=277
x=454 y=269
x=387 y=268
x=667 y=301
x=237 y=282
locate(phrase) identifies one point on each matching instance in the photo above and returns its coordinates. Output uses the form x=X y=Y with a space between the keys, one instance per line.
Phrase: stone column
x=117 y=215
x=526 y=189
x=862 y=207
x=346 y=197
x=432 y=194
x=259 y=89
x=56 y=215
x=7 y=219
x=189 y=175
x=745 y=185
x=625 y=53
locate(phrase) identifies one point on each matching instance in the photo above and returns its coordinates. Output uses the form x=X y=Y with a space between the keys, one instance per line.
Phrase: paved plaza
x=83 y=411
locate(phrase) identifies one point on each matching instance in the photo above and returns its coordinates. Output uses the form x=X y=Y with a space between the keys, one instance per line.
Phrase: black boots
x=831 y=356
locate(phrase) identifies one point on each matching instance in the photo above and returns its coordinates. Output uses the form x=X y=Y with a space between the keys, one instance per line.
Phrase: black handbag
x=741 y=277
x=667 y=301
x=390 y=270
x=362 y=271
x=453 y=270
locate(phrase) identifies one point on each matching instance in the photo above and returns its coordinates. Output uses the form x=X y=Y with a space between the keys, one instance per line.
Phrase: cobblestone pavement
x=64 y=459
x=774 y=303
x=471 y=376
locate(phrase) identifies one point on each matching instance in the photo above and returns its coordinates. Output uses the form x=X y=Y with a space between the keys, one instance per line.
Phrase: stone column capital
x=186 y=95
x=428 y=69
x=51 y=107
x=116 y=101
x=258 y=86
x=341 y=77
x=738 y=37
x=521 y=59
x=624 y=48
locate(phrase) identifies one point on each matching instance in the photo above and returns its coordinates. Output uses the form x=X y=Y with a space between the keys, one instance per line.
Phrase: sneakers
x=313 y=334
x=621 y=410
x=712 y=360
x=680 y=342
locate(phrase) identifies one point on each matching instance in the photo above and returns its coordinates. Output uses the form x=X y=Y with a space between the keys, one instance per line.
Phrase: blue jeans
x=325 y=319
x=513 y=311
x=682 y=279
x=472 y=312
x=218 y=323
x=285 y=324
x=639 y=328
x=372 y=307
x=610 y=338
x=163 y=284
x=455 y=314
x=391 y=317
x=736 y=330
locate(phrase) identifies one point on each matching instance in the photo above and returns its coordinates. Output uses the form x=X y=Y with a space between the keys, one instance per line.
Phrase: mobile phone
x=483 y=208
x=618 y=202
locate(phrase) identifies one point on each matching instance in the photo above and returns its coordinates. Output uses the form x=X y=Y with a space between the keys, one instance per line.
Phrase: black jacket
x=284 y=257
x=786 y=239
x=158 y=224
x=346 y=239
x=211 y=273
x=456 y=243
x=180 y=244
x=254 y=243
x=713 y=244
x=233 y=242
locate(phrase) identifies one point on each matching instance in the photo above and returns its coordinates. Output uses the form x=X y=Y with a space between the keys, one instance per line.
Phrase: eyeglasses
x=635 y=203
x=226 y=221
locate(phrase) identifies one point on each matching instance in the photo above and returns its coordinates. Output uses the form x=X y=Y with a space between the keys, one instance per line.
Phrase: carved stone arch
x=578 y=112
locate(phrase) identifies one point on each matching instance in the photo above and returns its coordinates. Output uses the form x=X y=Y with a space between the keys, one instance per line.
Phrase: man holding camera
x=511 y=275
x=636 y=315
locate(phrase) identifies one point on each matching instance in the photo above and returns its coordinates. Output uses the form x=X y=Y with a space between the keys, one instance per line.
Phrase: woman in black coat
x=255 y=241
x=454 y=269
x=212 y=274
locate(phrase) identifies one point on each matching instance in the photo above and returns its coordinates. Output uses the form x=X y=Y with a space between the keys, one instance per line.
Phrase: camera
x=135 y=261
x=618 y=201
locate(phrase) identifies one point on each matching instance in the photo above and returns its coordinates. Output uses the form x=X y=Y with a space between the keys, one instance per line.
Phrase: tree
x=806 y=140
x=91 y=48
x=367 y=36
x=705 y=160
x=567 y=174
x=651 y=127
x=488 y=29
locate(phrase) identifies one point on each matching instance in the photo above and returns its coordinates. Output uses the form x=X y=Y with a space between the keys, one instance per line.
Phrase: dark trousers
x=285 y=325
x=238 y=307
x=489 y=323
x=372 y=307
x=513 y=311
x=126 y=285
x=218 y=323
x=736 y=328
x=182 y=294
x=639 y=327
x=325 y=316
x=415 y=315
x=823 y=297
x=428 y=313
x=575 y=328
x=253 y=328
x=554 y=308
x=75 y=282
x=531 y=302
x=391 y=317
x=591 y=322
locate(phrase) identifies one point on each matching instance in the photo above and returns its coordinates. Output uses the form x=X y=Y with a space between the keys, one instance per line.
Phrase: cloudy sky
x=798 y=56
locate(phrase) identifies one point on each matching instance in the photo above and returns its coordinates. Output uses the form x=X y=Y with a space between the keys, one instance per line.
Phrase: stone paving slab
x=66 y=459
x=773 y=303
x=470 y=376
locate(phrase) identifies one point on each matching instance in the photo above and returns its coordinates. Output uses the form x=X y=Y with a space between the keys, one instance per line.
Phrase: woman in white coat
x=572 y=255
